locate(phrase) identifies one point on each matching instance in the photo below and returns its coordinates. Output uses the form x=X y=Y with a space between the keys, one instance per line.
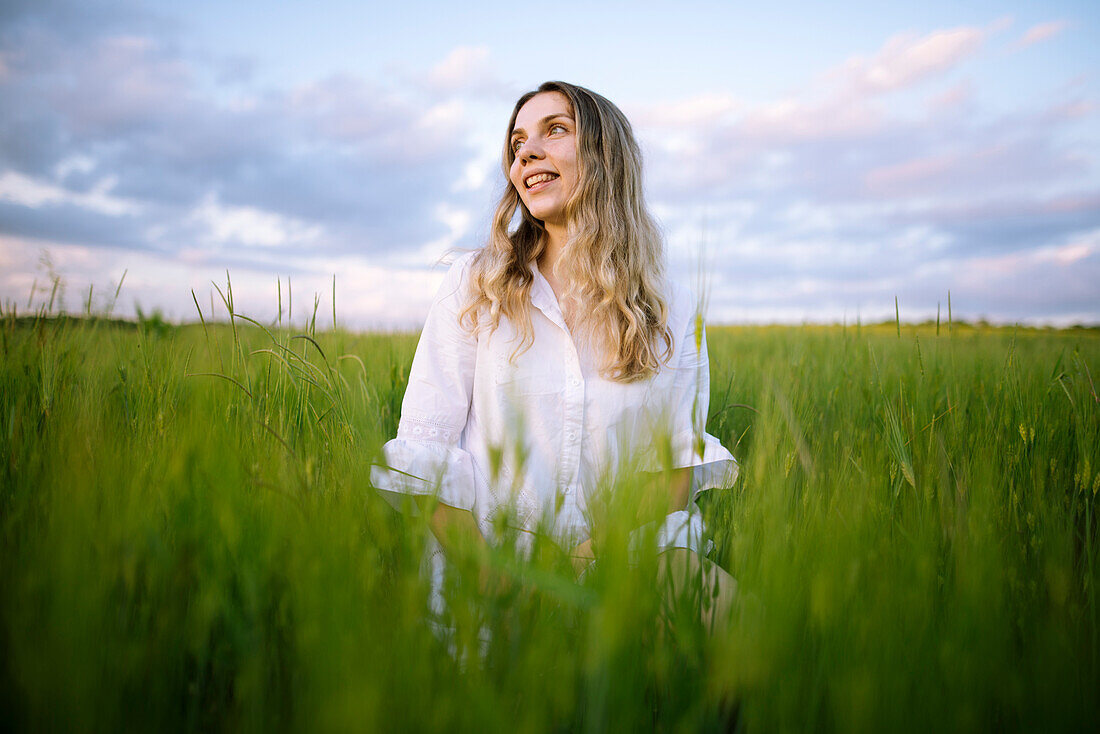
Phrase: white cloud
x=462 y=65
x=382 y=297
x=467 y=70
x=1041 y=32
x=914 y=171
x=795 y=120
x=1056 y=279
x=347 y=108
x=1077 y=248
x=477 y=172
x=702 y=109
x=458 y=222
x=74 y=164
x=954 y=97
x=816 y=201
x=906 y=59
x=440 y=117
x=843 y=105
x=248 y=225
x=35 y=193
x=367 y=296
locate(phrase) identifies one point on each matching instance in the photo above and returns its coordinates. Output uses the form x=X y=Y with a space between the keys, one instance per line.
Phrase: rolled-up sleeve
x=426 y=458
x=711 y=463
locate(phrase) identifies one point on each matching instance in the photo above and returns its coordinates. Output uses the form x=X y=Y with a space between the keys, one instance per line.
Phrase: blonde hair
x=612 y=261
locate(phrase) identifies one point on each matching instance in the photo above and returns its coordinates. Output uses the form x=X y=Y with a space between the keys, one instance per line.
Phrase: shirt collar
x=543 y=298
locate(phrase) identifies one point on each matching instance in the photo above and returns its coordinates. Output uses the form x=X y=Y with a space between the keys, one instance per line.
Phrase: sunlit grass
x=189 y=540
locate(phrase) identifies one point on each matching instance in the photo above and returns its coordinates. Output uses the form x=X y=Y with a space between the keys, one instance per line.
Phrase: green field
x=189 y=541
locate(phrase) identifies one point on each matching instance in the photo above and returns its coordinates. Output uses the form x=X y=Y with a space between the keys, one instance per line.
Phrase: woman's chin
x=548 y=216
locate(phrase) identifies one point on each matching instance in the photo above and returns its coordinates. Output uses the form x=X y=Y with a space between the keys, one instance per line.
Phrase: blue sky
x=815 y=161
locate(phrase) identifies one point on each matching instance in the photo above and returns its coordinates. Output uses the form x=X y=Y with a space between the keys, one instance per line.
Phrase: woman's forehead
x=541 y=106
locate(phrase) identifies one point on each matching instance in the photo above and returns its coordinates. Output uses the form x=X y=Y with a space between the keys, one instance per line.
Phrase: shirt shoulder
x=682 y=303
x=683 y=307
x=457 y=273
x=453 y=290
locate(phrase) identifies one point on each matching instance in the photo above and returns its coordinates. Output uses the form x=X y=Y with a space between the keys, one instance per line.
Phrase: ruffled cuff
x=681 y=529
x=712 y=467
x=426 y=468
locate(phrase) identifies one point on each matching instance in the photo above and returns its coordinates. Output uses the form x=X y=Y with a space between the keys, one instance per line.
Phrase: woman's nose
x=530 y=150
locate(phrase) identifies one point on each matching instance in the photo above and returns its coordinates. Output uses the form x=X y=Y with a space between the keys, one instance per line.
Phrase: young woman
x=558 y=353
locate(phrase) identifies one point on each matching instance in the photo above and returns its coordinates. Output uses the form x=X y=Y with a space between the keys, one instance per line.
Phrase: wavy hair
x=613 y=258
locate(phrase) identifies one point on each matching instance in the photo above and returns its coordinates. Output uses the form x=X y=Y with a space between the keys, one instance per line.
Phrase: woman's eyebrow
x=544 y=120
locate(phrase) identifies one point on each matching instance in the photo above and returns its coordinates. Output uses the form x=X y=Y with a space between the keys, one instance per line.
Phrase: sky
x=807 y=162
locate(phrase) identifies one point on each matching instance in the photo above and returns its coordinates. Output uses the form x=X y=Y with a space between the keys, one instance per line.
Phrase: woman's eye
x=557 y=126
x=516 y=145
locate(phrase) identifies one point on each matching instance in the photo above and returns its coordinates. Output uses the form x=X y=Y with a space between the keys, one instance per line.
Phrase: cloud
x=1041 y=32
x=26 y=191
x=1054 y=284
x=956 y=97
x=368 y=296
x=795 y=120
x=1002 y=165
x=1071 y=253
x=707 y=108
x=103 y=86
x=114 y=122
x=887 y=174
x=462 y=66
x=843 y=141
x=251 y=226
x=856 y=199
x=844 y=104
x=468 y=70
x=907 y=59
x=1056 y=278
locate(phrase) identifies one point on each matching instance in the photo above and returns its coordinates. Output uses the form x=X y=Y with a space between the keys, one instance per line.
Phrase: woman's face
x=544 y=140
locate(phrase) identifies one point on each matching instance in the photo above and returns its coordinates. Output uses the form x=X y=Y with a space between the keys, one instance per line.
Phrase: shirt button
x=576 y=381
x=572 y=435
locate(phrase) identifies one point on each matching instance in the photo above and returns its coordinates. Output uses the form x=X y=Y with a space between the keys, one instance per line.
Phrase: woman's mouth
x=539 y=181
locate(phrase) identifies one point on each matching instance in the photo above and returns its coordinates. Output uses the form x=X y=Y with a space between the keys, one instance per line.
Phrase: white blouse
x=539 y=432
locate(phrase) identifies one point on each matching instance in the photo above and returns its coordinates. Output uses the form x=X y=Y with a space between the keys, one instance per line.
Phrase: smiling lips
x=534 y=181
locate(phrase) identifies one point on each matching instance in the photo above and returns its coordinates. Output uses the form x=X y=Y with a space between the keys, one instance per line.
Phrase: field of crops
x=189 y=541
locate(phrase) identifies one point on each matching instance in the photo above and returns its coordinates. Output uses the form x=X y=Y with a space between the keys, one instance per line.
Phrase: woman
x=557 y=354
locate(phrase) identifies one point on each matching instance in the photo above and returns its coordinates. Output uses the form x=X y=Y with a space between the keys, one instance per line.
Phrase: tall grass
x=189 y=541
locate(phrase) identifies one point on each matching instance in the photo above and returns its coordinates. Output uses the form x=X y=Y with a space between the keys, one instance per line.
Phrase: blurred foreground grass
x=914 y=531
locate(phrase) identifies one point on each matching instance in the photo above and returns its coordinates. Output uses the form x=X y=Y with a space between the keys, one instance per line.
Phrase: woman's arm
x=680 y=489
x=582 y=555
x=458 y=533
x=426 y=457
x=678 y=492
x=452 y=527
x=666 y=492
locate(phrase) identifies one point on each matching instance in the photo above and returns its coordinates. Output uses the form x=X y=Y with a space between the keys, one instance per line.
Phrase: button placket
x=574 y=415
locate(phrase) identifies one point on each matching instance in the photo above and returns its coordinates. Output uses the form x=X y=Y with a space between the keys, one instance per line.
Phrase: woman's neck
x=551 y=253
